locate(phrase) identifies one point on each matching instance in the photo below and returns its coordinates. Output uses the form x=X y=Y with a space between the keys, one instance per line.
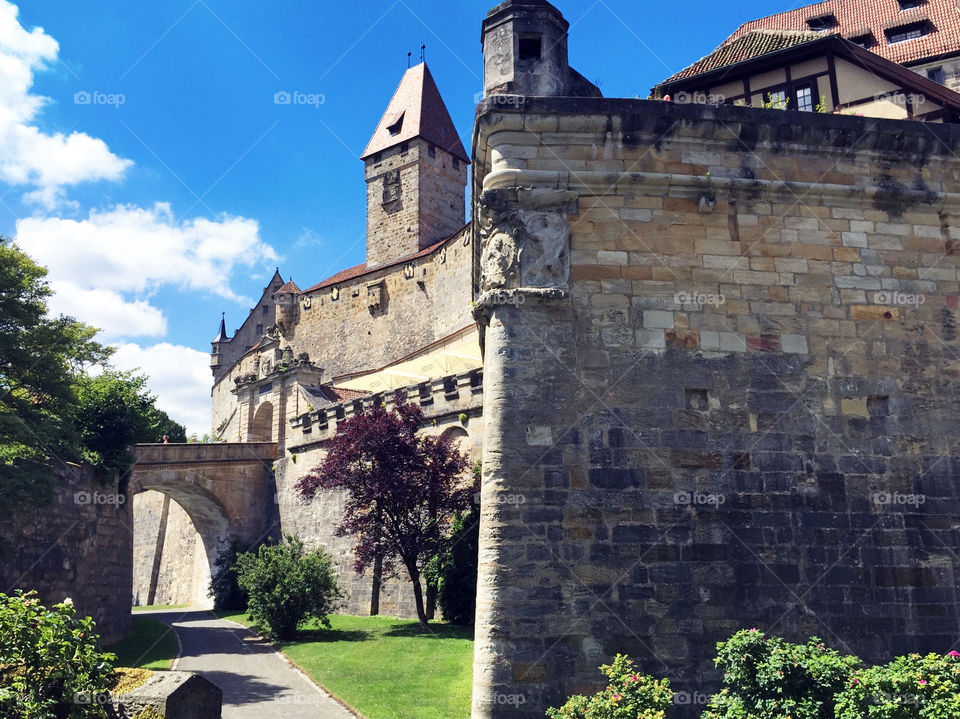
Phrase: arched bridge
x=227 y=490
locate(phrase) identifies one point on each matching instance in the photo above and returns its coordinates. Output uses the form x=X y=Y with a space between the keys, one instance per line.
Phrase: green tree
x=40 y=360
x=287 y=586
x=114 y=412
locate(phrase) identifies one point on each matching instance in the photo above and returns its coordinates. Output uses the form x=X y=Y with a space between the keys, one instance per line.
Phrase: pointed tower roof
x=289 y=288
x=417 y=110
x=222 y=334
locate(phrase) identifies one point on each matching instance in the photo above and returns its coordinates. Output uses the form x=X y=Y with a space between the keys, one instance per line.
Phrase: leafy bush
x=910 y=687
x=225 y=590
x=628 y=696
x=287 y=586
x=770 y=678
x=50 y=664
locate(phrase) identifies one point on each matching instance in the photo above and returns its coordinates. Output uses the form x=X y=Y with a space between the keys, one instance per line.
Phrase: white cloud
x=41 y=161
x=104 y=266
x=179 y=376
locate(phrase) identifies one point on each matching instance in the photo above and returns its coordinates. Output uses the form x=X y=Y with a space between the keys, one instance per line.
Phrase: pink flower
x=955 y=654
x=634 y=677
x=923 y=682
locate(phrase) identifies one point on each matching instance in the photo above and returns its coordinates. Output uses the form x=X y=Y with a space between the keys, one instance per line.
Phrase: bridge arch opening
x=163 y=542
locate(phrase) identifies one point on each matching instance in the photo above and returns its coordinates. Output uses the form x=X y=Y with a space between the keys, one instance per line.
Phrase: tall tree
x=401 y=487
x=40 y=360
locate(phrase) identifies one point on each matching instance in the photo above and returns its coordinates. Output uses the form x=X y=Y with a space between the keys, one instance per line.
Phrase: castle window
x=404 y=148
x=822 y=23
x=936 y=74
x=865 y=41
x=265 y=388
x=266 y=309
x=259 y=329
x=910 y=31
x=456 y=163
x=432 y=151
x=394 y=128
x=531 y=46
x=805 y=99
x=910 y=4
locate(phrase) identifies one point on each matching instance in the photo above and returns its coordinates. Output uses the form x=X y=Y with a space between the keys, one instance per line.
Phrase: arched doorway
x=261 y=429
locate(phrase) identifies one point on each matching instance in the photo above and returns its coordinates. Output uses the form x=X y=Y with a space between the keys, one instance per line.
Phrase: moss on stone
x=129 y=679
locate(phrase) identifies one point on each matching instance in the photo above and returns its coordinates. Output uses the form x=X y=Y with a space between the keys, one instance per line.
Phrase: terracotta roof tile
x=854 y=16
x=417 y=110
x=753 y=44
x=289 y=288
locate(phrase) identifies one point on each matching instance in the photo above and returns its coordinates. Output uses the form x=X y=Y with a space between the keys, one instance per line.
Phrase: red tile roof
x=289 y=288
x=417 y=110
x=855 y=17
x=753 y=44
x=334 y=395
x=362 y=269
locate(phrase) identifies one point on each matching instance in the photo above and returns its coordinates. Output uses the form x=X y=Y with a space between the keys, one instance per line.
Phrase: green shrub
x=910 y=687
x=628 y=696
x=453 y=571
x=287 y=586
x=225 y=590
x=773 y=679
x=51 y=666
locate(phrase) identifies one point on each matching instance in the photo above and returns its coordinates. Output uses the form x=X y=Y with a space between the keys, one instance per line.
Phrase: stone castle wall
x=725 y=384
x=424 y=301
x=78 y=547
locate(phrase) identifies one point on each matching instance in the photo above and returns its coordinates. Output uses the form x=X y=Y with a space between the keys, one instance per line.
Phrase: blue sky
x=143 y=158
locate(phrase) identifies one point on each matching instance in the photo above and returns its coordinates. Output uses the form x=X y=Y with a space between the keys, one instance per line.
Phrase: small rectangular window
x=403 y=148
x=530 y=47
x=805 y=99
x=865 y=41
x=910 y=4
x=431 y=150
x=259 y=329
x=456 y=163
x=266 y=309
x=822 y=23
x=936 y=74
x=911 y=31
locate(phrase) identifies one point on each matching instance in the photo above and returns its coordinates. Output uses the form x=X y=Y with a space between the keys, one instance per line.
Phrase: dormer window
x=910 y=31
x=530 y=47
x=394 y=129
x=822 y=23
x=866 y=40
x=910 y=4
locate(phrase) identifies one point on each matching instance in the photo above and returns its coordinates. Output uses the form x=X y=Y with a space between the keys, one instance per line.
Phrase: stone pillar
x=528 y=361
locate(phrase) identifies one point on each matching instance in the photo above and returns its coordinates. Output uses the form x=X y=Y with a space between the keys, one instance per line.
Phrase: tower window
x=822 y=23
x=432 y=151
x=910 y=31
x=394 y=128
x=456 y=163
x=259 y=329
x=403 y=148
x=531 y=46
x=266 y=309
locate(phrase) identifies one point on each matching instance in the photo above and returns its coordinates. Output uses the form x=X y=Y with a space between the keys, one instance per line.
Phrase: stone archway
x=261 y=428
x=226 y=490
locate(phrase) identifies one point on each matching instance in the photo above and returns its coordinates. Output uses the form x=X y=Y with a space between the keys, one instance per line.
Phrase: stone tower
x=525 y=52
x=416 y=172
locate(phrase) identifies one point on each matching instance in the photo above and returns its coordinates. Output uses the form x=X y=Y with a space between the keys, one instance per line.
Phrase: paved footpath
x=256 y=682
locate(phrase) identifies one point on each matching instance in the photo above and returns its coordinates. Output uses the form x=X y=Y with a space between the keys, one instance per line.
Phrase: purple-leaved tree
x=402 y=488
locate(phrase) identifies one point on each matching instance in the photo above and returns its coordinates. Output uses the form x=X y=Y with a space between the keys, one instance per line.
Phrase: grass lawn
x=151 y=645
x=388 y=668
x=151 y=607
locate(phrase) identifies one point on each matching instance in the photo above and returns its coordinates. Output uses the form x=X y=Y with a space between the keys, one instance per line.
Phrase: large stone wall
x=78 y=546
x=722 y=374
